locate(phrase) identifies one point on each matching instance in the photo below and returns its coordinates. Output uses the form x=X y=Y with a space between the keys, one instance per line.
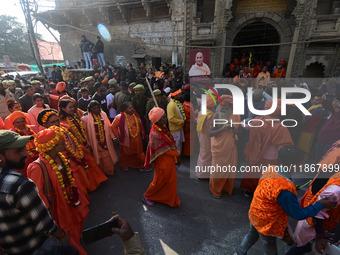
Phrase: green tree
x=14 y=41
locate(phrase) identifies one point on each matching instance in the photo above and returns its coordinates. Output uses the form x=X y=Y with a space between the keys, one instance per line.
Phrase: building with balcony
x=304 y=33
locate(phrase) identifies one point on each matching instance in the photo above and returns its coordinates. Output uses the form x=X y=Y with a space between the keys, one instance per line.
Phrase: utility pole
x=25 y=6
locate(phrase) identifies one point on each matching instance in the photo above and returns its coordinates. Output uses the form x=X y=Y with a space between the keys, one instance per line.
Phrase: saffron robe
x=131 y=149
x=69 y=218
x=95 y=175
x=105 y=158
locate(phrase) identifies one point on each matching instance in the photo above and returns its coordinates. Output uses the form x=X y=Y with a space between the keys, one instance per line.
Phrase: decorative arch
x=314 y=70
x=281 y=24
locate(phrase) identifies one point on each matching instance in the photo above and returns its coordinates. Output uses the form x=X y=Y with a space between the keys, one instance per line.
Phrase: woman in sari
x=49 y=118
x=52 y=175
x=18 y=121
x=98 y=128
x=71 y=122
x=224 y=149
x=163 y=152
x=128 y=127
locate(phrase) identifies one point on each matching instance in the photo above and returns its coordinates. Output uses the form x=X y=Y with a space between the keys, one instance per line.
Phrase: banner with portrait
x=199 y=63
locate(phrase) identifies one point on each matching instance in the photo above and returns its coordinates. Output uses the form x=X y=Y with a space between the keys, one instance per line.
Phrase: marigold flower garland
x=77 y=129
x=99 y=121
x=129 y=127
x=76 y=152
x=181 y=108
x=62 y=171
x=30 y=148
x=47 y=115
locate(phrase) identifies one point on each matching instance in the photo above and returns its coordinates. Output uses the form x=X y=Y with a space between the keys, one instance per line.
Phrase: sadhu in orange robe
x=163 y=152
x=95 y=175
x=69 y=218
x=131 y=148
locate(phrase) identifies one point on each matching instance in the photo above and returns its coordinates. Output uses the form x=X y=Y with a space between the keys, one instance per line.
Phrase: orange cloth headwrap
x=227 y=98
x=61 y=86
x=15 y=115
x=156 y=114
x=176 y=93
x=48 y=138
x=269 y=104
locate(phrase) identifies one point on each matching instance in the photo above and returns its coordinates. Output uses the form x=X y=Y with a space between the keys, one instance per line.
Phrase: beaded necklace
x=30 y=148
x=98 y=121
x=129 y=127
x=76 y=128
x=181 y=108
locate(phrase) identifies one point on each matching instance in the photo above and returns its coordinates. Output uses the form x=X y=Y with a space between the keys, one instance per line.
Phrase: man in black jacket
x=100 y=51
x=86 y=47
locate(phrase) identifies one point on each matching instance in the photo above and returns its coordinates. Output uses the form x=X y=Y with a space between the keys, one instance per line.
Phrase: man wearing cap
x=36 y=86
x=100 y=96
x=139 y=102
x=12 y=92
x=110 y=97
x=176 y=117
x=90 y=85
x=26 y=223
x=121 y=97
x=4 y=112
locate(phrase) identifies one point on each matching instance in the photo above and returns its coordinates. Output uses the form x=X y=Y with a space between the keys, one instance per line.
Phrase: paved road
x=202 y=225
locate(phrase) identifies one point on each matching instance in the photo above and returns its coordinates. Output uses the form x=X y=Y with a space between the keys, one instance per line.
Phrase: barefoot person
x=163 y=152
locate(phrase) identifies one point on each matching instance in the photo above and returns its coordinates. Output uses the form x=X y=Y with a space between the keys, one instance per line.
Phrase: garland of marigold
x=181 y=108
x=129 y=127
x=77 y=153
x=63 y=182
x=47 y=115
x=30 y=148
x=98 y=121
x=77 y=129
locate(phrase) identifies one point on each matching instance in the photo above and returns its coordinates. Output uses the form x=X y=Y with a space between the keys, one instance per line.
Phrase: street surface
x=202 y=225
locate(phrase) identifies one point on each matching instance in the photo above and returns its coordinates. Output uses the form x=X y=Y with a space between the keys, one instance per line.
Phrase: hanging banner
x=50 y=50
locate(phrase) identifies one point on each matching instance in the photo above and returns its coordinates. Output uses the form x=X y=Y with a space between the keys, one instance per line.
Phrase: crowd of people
x=66 y=130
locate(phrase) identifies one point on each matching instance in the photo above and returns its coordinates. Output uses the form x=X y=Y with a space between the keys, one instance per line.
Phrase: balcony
x=326 y=25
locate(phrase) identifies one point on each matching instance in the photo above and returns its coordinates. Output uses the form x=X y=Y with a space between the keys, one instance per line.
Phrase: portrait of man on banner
x=199 y=62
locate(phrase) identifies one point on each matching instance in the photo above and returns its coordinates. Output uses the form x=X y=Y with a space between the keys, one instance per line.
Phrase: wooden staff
x=153 y=95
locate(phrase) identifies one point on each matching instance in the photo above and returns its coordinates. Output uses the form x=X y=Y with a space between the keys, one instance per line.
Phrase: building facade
x=304 y=33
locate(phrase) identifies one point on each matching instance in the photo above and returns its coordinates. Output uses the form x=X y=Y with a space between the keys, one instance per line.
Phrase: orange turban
x=156 y=114
x=48 y=138
x=227 y=98
x=61 y=86
x=176 y=93
x=283 y=63
x=105 y=80
x=269 y=104
x=210 y=102
x=15 y=115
